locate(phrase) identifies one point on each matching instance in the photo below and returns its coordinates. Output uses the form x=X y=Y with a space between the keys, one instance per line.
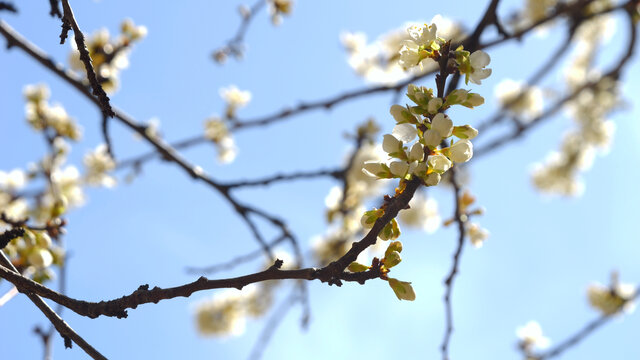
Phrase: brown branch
x=144 y=295
x=69 y=21
x=105 y=135
x=67 y=333
x=55 y=8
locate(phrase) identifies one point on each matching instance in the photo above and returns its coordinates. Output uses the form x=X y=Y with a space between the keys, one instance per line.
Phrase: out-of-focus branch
x=7 y=6
x=228 y=265
x=67 y=333
x=69 y=21
x=234 y=46
x=272 y=324
x=55 y=8
x=614 y=73
x=582 y=334
x=334 y=173
x=448 y=282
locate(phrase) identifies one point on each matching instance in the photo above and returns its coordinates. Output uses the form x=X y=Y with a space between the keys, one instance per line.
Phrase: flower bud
x=461 y=151
x=390 y=144
x=432 y=179
x=434 y=105
x=402 y=115
x=443 y=124
x=465 y=132
x=40 y=258
x=399 y=168
x=417 y=152
x=432 y=138
x=439 y=163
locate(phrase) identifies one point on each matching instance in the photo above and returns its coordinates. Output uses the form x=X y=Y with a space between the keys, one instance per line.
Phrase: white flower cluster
x=378 y=62
x=531 y=338
x=215 y=129
x=428 y=127
x=235 y=99
x=98 y=164
x=593 y=132
x=42 y=116
x=612 y=299
x=520 y=100
x=108 y=56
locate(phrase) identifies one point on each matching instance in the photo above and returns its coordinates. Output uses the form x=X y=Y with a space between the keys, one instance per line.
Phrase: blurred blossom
x=423 y=213
x=614 y=298
x=277 y=8
x=531 y=337
x=13 y=180
x=519 y=99
x=377 y=62
x=222 y=315
x=97 y=165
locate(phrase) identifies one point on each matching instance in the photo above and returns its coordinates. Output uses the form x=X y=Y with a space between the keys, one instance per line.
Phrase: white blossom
x=461 y=151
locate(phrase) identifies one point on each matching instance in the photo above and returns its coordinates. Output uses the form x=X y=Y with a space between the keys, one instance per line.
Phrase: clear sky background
x=542 y=253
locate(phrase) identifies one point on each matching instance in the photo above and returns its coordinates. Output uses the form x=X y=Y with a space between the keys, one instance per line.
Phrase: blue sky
x=542 y=253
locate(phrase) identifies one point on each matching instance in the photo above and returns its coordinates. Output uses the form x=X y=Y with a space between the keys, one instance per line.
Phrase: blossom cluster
x=420 y=145
x=614 y=298
x=560 y=173
x=216 y=129
x=22 y=196
x=519 y=100
x=42 y=116
x=109 y=56
x=531 y=338
x=279 y=8
x=414 y=146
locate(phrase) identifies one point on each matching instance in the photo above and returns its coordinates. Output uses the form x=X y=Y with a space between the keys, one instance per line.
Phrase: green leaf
x=402 y=289
x=392 y=259
x=393 y=246
x=357 y=267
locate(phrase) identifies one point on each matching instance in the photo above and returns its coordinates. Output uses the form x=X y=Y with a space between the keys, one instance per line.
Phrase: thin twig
x=235 y=44
x=55 y=8
x=271 y=325
x=582 y=334
x=69 y=20
x=454 y=267
x=229 y=265
x=334 y=173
